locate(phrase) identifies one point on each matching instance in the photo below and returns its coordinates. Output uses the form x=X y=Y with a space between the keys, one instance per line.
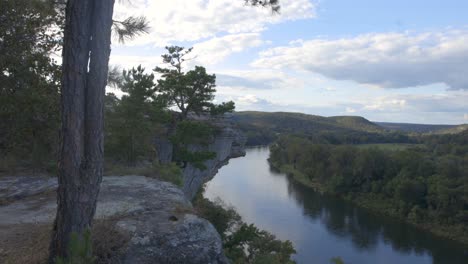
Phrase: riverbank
x=378 y=204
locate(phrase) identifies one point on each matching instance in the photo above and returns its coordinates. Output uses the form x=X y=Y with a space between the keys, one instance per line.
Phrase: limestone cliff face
x=228 y=143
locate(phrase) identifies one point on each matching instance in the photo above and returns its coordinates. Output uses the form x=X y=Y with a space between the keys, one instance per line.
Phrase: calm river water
x=322 y=227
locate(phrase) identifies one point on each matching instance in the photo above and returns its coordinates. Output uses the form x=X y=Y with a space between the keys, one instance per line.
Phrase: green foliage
x=243 y=243
x=190 y=91
x=130 y=28
x=79 y=250
x=132 y=121
x=168 y=172
x=222 y=108
x=192 y=132
x=425 y=184
x=337 y=260
x=223 y=218
x=261 y=246
x=29 y=81
x=196 y=158
x=189 y=133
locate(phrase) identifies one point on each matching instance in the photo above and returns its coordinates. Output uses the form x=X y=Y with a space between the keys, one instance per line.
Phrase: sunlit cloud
x=182 y=20
x=259 y=80
x=388 y=60
x=216 y=49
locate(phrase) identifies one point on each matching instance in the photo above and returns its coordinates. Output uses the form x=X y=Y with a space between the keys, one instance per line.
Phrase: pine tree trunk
x=86 y=53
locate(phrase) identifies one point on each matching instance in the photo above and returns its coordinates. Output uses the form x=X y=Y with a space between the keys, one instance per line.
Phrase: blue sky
x=395 y=61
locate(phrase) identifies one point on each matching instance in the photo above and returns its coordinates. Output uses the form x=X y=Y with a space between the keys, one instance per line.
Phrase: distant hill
x=263 y=127
x=422 y=128
x=356 y=123
x=298 y=122
x=453 y=130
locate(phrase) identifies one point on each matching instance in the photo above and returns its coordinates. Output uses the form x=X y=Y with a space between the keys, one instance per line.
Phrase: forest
x=425 y=184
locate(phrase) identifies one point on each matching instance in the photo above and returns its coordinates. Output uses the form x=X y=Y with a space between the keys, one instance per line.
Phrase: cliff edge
x=155 y=216
x=227 y=143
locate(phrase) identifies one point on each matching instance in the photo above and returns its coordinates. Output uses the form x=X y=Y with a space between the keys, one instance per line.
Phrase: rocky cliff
x=156 y=216
x=228 y=143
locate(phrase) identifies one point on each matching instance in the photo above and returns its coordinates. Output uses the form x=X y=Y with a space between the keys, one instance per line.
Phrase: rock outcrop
x=157 y=216
x=228 y=143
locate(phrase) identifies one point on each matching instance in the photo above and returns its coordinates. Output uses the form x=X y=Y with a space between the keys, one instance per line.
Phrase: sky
x=389 y=61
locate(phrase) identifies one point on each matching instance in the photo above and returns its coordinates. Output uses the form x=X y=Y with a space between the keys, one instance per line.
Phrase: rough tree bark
x=85 y=55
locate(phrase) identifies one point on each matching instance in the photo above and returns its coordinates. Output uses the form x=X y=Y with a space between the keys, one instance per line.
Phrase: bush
x=243 y=243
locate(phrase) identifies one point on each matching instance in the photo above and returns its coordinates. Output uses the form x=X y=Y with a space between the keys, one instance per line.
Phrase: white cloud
x=386 y=104
x=350 y=110
x=451 y=103
x=217 y=49
x=248 y=99
x=182 y=20
x=258 y=80
x=389 y=60
x=205 y=53
x=252 y=102
x=126 y=62
x=465 y=117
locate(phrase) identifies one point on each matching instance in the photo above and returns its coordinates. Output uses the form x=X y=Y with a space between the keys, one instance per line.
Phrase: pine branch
x=273 y=4
x=114 y=77
x=130 y=28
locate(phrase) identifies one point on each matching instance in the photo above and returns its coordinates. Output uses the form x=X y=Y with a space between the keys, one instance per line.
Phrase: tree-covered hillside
x=423 y=128
x=263 y=128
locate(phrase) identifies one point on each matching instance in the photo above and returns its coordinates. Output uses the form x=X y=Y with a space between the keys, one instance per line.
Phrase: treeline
x=260 y=136
x=426 y=184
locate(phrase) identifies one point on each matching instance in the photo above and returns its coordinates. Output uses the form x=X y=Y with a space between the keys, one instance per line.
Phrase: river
x=322 y=227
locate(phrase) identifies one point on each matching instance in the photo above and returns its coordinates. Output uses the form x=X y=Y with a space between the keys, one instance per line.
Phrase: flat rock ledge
x=156 y=214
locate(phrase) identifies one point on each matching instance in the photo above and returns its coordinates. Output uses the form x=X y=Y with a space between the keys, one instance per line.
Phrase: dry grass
x=109 y=243
x=181 y=209
x=25 y=243
x=29 y=243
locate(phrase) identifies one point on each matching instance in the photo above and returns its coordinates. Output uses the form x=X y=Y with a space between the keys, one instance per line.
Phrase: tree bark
x=85 y=55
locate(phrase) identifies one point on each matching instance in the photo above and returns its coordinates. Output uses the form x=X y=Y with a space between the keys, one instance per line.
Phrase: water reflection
x=366 y=230
x=323 y=226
